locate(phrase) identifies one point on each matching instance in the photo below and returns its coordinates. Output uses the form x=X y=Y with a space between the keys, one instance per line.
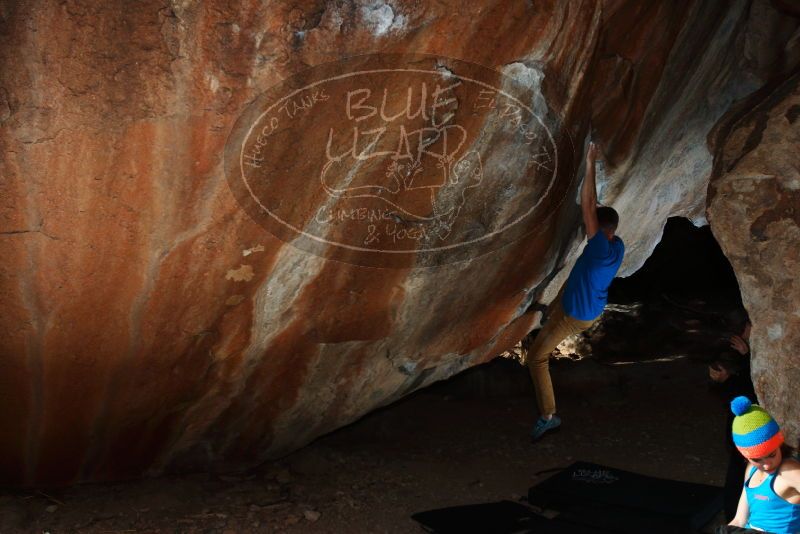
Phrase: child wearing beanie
x=770 y=499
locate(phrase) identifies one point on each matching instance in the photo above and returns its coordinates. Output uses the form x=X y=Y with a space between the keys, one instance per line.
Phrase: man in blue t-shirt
x=582 y=298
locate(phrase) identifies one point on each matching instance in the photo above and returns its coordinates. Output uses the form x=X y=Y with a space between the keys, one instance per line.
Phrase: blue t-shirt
x=586 y=292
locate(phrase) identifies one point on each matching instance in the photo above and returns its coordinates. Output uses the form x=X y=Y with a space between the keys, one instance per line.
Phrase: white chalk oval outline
x=409 y=251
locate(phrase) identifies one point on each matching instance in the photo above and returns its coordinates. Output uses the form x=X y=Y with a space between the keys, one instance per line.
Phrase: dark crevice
x=17 y=232
x=792 y=113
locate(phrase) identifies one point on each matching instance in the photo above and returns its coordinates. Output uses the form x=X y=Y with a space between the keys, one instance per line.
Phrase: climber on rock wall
x=583 y=297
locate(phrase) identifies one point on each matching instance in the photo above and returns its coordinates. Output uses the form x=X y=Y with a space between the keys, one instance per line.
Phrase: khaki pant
x=557 y=328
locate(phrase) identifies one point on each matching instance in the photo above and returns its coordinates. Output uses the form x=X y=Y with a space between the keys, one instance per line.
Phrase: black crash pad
x=587 y=498
x=627 y=502
x=503 y=517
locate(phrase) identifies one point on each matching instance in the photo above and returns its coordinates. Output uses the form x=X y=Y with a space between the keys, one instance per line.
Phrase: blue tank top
x=586 y=292
x=768 y=510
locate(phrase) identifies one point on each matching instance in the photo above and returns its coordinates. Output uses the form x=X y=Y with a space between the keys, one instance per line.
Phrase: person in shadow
x=731 y=375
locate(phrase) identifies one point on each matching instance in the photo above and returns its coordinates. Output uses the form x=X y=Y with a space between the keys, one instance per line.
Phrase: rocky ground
x=460 y=442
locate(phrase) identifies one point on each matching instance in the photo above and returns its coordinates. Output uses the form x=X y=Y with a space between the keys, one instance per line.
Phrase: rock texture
x=754 y=207
x=146 y=321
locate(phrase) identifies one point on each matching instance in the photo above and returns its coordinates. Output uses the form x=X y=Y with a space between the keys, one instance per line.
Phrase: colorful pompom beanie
x=755 y=432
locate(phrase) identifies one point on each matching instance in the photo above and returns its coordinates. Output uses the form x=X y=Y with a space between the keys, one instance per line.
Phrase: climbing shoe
x=544 y=425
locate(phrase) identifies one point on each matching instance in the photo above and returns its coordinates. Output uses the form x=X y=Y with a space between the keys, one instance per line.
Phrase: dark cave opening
x=684 y=301
x=687 y=263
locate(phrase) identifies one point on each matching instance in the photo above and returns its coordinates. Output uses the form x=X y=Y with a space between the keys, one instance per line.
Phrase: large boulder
x=754 y=208
x=153 y=313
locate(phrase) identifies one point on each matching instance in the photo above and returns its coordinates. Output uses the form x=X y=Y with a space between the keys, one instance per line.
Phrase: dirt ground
x=464 y=441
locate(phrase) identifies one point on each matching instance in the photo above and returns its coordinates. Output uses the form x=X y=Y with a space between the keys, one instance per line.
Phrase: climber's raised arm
x=589 y=194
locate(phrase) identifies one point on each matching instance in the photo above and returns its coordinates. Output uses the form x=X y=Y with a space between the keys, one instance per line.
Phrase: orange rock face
x=152 y=315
